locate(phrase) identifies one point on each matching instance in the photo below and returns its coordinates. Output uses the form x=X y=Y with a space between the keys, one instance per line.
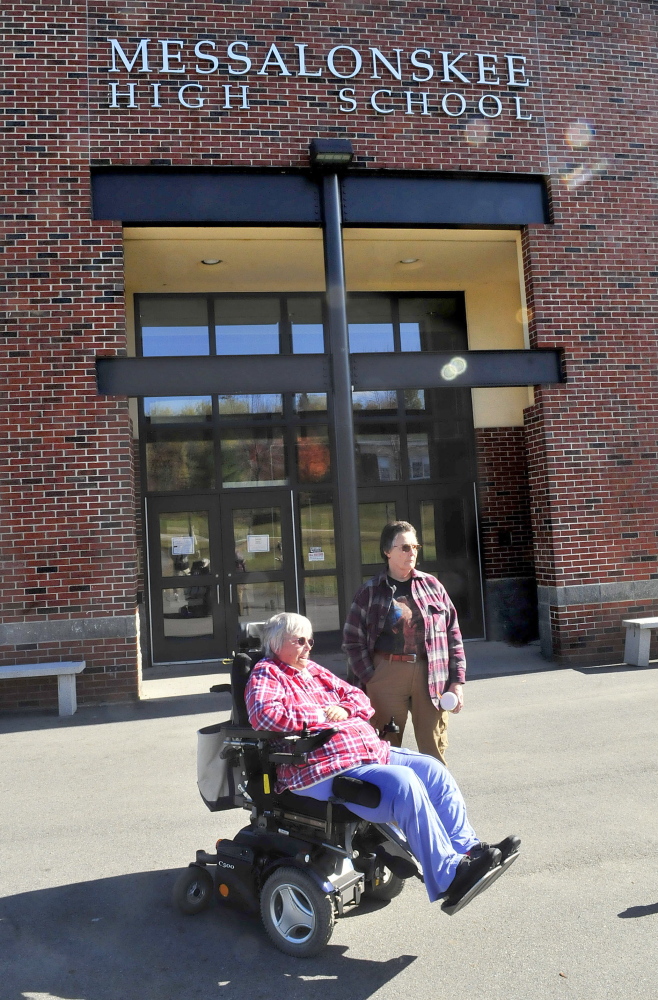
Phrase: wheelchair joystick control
x=390 y=727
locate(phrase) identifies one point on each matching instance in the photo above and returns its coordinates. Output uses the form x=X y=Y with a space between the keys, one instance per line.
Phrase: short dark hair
x=389 y=531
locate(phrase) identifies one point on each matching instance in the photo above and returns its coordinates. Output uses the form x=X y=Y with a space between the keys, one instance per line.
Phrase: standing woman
x=403 y=643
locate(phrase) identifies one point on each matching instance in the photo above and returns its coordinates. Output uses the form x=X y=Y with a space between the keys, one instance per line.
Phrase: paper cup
x=449 y=701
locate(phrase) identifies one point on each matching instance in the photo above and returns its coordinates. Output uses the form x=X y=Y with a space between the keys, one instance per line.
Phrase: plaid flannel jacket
x=283 y=699
x=443 y=640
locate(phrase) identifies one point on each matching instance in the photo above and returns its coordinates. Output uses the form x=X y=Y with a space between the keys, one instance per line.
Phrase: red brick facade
x=68 y=524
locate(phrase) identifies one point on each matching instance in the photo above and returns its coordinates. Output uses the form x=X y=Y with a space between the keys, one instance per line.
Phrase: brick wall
x=504 y=503
x=68 y=498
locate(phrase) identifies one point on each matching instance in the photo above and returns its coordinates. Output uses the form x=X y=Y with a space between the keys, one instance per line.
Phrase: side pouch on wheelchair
x=218 y=769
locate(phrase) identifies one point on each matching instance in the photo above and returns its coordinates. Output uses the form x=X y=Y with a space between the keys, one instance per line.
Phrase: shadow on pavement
x=137 y=711
x=121 y=937
x=639 y=911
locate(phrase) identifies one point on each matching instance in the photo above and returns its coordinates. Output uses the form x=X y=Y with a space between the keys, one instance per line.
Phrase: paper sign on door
x=258 y=543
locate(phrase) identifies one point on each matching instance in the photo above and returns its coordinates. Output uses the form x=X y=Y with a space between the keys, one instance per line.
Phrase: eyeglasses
x=407 y=548
x=302 y=640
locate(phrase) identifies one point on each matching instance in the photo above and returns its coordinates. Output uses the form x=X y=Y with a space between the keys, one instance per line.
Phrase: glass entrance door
x=261 y=571
x=185 y=579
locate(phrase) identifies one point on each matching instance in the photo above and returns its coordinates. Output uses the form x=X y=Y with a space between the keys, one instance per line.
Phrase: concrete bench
x=638 y=639
x=64 y=672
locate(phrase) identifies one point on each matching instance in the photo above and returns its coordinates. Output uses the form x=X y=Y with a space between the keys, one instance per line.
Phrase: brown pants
x=396 y=687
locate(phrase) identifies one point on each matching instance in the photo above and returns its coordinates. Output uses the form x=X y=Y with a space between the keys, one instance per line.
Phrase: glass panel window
x=257 y=539
x=414 y=400
x=313 y=454
x=310 y=402
x=427 y=530
x=179 y=459
x=377 y=454
x=316 y=516
x=187 y=612
x=435 y=323
x=418 y=451
x=442 y=450
x=177 y=409
x=247 y=326
x=376 y=400
x=184 y=544
x=370 y=324
x=173 y=326
x=321 y=595
x=306 y=323
x=372 y=518
x=259 y=601
x=253 y=457
x=260 y=404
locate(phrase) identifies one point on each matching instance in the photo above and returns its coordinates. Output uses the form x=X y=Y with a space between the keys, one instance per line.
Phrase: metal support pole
x=347 y=506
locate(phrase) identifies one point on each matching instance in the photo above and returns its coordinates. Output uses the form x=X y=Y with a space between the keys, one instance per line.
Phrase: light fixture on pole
x=330 y=154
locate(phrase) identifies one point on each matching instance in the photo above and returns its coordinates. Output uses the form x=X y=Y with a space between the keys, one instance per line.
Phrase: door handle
x=218 y=593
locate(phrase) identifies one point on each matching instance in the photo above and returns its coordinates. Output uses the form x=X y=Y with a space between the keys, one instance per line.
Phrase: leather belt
x=404 y=658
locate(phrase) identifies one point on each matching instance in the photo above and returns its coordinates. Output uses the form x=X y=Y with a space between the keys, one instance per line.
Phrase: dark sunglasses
x=408 y=548
x=301 y=640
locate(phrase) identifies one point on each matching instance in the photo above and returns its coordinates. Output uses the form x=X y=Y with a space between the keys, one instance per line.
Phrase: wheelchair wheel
x=387 y=885
x=193 y=890
x=298 y=916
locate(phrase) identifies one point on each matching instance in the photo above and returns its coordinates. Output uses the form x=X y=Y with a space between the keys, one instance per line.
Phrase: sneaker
x=507 y=847
x=470 y=870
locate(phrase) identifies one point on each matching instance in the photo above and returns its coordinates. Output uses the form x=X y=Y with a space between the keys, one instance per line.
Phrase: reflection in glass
x=375 y=400
x=377 y=454
x=310 y=402
x=432 y=323
x=253 y=457
x=259 y=601
x=247 y=326
x=257 y=539
x=372 y=518
x=370 y=324
x=306 y=323
x=321 y=595
x=427 y=530
x=184 y=543
x=177 y=409
x=179 y=458
x=316 y=516
x=260 y=404
x=187 y=612
x=173 y=326
x=445 y=447
x=419 y=456
x=414 y=400
x=313 y=454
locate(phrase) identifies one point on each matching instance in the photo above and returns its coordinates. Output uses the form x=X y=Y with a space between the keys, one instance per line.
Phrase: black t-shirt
x=404 y=628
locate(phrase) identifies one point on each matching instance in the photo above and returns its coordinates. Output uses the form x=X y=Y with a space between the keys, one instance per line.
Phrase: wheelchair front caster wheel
x=385 y=886
x=298 y=916
x=193 y=890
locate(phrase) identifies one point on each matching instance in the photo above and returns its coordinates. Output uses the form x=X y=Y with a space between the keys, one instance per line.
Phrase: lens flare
x=579 y=134
x=455 y=367
x=576 y=177
x=477 y=131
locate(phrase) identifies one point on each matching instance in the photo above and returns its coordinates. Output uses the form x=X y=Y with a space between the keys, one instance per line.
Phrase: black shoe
x=507 y=847
x=470 y=870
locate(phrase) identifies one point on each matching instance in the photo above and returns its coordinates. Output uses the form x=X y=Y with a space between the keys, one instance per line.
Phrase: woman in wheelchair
x=287 y=692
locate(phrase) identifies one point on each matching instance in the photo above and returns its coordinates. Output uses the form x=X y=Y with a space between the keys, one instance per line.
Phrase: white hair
x=286 y=623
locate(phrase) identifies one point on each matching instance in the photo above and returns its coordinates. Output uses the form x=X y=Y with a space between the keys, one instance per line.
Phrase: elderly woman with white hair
x=287 y=691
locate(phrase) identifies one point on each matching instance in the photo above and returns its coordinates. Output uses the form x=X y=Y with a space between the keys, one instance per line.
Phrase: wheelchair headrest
x=243 y=662
x=250 y=636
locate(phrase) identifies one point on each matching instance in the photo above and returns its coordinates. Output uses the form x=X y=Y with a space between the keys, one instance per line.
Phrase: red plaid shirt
x=443 y=641
x=283 y=699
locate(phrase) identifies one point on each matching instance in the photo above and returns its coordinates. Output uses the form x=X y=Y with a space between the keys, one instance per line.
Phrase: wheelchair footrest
x=487 y=879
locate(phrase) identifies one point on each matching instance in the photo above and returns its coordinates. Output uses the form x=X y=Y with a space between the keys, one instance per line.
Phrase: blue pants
x=422 y=797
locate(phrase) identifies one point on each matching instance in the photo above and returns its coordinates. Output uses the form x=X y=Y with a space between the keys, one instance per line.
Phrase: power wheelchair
x=300 y=863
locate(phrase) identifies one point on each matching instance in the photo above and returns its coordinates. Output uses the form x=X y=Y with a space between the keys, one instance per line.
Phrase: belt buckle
x=411 y=658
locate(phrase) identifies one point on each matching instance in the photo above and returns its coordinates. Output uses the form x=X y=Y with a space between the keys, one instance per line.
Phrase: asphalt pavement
x=100 y=812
